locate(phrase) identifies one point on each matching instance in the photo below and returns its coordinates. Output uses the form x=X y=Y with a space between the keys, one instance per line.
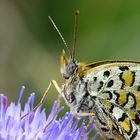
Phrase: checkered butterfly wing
x=118 y=99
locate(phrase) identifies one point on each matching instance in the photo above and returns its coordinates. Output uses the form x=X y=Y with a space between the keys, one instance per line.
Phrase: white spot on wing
x=117 y=112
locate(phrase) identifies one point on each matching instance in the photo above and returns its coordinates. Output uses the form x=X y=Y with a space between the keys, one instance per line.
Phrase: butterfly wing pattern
x=115 y=88
x=111 y=90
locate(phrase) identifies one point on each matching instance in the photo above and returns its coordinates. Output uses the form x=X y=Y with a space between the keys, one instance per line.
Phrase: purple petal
x=33 y=125
x=21 y=93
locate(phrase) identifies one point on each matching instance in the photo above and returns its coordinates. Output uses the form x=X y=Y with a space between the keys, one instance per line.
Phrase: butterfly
x=109 y=89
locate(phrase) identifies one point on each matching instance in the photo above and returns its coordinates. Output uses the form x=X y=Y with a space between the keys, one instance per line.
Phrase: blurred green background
x=30 y=48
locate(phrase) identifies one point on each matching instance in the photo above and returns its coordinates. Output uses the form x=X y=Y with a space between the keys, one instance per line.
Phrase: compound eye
x=72 y=66
x=69 y=69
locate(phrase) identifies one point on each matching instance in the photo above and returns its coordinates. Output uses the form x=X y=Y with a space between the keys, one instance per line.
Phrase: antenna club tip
x=77 y=13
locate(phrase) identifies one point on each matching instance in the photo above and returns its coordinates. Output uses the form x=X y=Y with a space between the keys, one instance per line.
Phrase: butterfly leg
x=85 y=114
x=54 y=115
x=90 y=115
x=88 y=126
x=53 y=82
x=57 y=107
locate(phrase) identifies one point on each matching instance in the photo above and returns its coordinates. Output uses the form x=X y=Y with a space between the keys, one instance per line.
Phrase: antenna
x=60 y=35
x=77 y=13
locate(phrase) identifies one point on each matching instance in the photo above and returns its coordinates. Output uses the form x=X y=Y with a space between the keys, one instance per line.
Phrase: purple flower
x=36 y=125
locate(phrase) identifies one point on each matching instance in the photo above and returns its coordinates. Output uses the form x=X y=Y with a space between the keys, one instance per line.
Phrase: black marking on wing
x=123 y=68
x=137 y=119
x=101 y=120
x=138 y=111
x=118 y=95
x=134 y=134
x=115 y=128
x=104 y=129
x=123 y=81
x=110 y=83
x=133 y=73
x=138 y=89
x=127 y=100
x=105 y=112
x=101 y=83
x=110 y=95
x=106 y=73
x=134 y=98
x=111 y=109
x=94 y=79
x=123 y=117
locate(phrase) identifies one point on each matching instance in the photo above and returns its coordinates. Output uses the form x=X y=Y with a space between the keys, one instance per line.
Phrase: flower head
x=36 y=125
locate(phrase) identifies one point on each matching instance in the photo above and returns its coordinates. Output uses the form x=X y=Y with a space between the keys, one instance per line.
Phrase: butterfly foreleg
x=53 y=82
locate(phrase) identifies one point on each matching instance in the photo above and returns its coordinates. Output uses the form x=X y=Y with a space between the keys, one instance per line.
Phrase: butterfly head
x=68 y=64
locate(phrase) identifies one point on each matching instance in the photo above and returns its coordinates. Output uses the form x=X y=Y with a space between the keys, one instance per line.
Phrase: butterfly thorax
x=76 y=92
